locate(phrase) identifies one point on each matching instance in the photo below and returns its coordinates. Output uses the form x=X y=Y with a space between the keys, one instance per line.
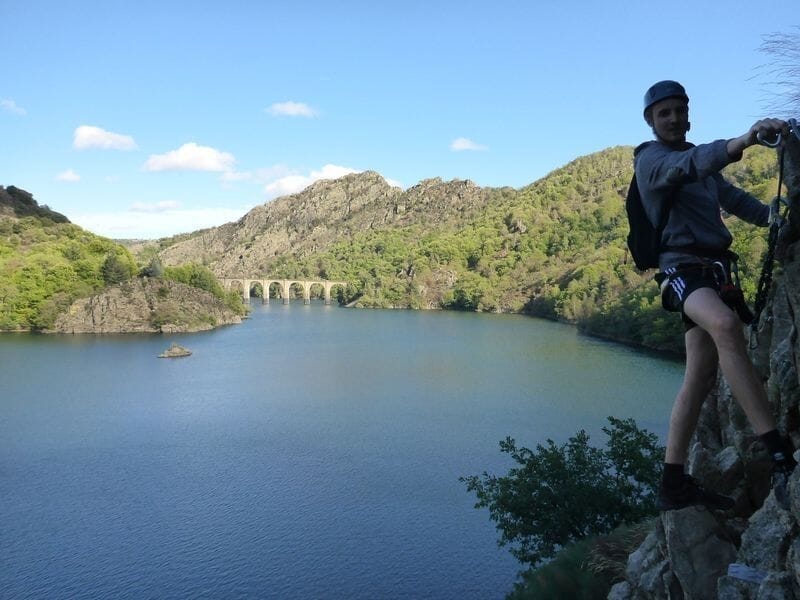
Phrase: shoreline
x=656 y=352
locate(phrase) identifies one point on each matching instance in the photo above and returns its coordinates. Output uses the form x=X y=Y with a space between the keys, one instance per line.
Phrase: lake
x=310 y=452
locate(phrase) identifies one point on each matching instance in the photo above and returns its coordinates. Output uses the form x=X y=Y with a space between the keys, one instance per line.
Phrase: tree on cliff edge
x=558 y=495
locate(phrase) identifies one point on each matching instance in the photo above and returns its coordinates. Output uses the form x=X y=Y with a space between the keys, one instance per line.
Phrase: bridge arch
x=270 y=285
x=257 y=289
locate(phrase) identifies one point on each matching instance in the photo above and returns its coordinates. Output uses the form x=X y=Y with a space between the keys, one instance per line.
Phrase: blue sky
x=144 y=119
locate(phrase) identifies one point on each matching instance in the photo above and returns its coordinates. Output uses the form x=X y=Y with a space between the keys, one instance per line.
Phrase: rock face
x=689 y=552
x=323 y=213
x=146 y=305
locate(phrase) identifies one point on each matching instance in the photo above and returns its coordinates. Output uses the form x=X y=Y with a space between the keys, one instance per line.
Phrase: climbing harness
x=776 y=222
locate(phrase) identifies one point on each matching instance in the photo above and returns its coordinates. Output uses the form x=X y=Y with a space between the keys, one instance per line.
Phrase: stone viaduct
x=247 y=284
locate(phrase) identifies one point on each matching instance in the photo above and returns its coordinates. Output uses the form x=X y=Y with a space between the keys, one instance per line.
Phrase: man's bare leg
x=705 y=308
x=699 y=379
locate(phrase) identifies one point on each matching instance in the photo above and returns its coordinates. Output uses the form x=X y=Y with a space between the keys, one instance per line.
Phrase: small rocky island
x=175 y=351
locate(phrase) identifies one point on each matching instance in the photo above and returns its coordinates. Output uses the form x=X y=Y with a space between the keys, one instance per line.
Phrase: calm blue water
x=311 y=452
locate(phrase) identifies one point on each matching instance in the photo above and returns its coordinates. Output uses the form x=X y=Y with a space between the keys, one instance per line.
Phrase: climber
x=698 y=279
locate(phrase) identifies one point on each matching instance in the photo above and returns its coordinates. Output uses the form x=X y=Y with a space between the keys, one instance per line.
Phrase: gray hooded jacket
x=689 y=180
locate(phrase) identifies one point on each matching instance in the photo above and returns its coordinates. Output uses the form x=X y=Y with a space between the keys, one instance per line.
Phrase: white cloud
x=292 y=109
x=155 y=207
x=10 y=106
x=87 y=136
x=191 y=157
x=163 y=219
x=291 y=184
x=462 y=143
x=68 y=175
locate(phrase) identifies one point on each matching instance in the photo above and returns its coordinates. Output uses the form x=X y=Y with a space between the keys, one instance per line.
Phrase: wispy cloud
x=259 y=176
x=292 y=109
x=291 y=184
x=152 y=220
x=88 y=136
x=10 y=106
x=69 y=175
x=461 y=144
x=191 y=157
x=155 y=207
x=281 y=180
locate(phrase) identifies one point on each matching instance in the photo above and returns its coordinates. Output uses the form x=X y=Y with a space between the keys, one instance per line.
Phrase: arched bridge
x=285 y=287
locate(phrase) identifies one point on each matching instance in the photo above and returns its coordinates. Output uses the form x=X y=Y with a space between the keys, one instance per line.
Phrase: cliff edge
x=146 y=305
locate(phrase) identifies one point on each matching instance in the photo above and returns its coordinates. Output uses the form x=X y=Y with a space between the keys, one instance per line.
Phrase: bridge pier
x=327 y=287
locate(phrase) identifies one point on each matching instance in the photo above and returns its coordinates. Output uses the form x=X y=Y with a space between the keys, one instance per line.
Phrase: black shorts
x=678 y=282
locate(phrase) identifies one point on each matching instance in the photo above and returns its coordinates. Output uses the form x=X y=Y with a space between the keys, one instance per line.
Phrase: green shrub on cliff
x=46 y=263
x=200 y=277
x=558 y=495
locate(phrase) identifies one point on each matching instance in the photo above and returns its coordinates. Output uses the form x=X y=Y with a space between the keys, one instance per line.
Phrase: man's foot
x=782 y=468
x=691 y=493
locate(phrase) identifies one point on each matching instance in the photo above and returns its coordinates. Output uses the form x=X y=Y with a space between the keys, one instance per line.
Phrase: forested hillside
x=46 y=262
x=555 y=248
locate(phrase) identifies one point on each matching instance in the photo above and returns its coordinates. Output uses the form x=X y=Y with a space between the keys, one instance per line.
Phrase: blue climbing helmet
x=663 y=90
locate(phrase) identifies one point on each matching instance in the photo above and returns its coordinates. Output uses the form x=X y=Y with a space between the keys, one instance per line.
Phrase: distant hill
x=554 y=248
x=47 y=264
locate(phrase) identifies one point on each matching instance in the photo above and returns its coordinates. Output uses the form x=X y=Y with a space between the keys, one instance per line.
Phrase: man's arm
x=768 y=128
x=745 y=206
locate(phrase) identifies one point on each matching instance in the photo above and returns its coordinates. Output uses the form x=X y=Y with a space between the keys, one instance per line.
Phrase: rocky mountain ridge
x=325 y=212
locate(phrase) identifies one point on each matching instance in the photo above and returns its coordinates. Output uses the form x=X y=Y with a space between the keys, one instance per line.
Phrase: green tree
x=201 y=277
x=195 y=275
x=114 y=270
x=558 y=495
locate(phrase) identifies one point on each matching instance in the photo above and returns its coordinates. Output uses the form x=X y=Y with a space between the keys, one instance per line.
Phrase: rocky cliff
x=323 y=213
x=145 y=305
x=689 y=552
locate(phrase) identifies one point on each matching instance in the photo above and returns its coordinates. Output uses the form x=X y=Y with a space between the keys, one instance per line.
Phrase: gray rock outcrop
x=146 y=305
x=322 y=214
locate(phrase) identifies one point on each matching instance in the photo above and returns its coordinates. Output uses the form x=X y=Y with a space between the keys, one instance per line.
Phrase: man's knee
x=725 y=327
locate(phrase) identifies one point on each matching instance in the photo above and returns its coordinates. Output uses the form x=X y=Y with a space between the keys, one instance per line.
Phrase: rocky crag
x=17 y=203
x=327 y=211
x=689 y=552
x=145 y=305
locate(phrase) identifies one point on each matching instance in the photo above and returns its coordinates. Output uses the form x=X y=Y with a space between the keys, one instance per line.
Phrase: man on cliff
x=697 y=277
